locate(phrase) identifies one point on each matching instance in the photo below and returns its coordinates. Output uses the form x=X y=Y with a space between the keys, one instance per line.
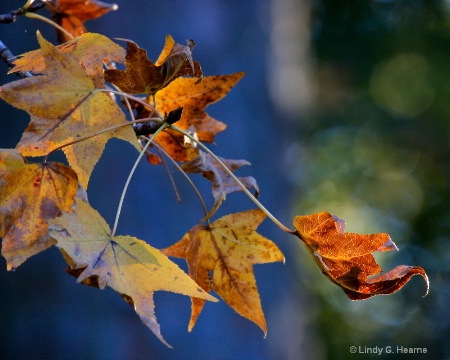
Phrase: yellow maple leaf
x=128 y=265
x=65 y=105
x=30 y=195
x=89 y=50
x=229 y=248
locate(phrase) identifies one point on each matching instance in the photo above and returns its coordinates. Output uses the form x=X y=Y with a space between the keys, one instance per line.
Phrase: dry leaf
x=347 y=260
x=64 y=105
x=142 y=76
x=222 y=183
x=193 y=97
x=221 y=258
x=72 y=14
x=30 y=195
x=89 y=50
x=128 y=265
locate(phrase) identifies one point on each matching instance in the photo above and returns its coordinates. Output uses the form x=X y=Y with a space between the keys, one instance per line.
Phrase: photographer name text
x=379 y=350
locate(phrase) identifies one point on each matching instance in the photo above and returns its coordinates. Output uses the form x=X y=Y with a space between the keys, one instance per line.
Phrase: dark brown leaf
x=142 y=76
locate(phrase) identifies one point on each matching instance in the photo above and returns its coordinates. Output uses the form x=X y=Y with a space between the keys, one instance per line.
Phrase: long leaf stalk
x=130 y=175
x=111 y=128
x=238 y=182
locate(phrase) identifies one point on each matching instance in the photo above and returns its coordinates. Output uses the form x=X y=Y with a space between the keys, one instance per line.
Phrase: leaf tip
x=389 y=245
x=425 y=276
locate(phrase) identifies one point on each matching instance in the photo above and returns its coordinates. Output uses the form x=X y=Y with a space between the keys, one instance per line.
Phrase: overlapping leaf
x=193 y=97
x=30 y=195
x=72 y=14
x=347 y=260
x=228 y=249
x=128 y=265
x=142 y=76
x=222 y=183
x=64 y=105
x=89 y=50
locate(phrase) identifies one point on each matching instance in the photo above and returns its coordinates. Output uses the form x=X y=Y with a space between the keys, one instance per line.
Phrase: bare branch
x=13 y=14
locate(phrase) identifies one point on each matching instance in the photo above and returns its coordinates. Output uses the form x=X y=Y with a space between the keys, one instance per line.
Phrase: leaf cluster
x=75 y=100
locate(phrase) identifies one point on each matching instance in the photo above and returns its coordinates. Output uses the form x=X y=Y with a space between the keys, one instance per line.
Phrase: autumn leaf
x=228 y=249
x=142 y=76
x=222 y=183
x=179 y=62
x=193 y=97
x=72 y=14
x=30 y=195
x=347 y=260
x=64 y=106
x=128 y=265
x=89 y=50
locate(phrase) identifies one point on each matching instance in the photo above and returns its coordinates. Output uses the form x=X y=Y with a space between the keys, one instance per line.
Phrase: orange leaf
x=193 y=97
x=347 y=260
x=228 y=249
x=128 y=265
x=64 y=105
x=71 y=14
x=30 y=195
x=142 y=76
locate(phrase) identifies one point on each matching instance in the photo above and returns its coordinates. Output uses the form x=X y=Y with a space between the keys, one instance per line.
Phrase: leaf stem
x=99 y=133
x=130 y=175
x=238 y=182
x=48 y=21
x=140 y=101
x=178 y=167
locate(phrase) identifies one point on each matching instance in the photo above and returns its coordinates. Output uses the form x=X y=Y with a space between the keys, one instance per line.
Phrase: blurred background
x=344 y=108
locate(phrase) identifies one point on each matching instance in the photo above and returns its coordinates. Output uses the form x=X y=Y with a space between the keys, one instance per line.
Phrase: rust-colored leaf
x=222 y=183
x=64 y=106
x=72 y=14
x=142 y=76
x=221 y=258
x=347 y=260
x=128 y=265
x=30 y=195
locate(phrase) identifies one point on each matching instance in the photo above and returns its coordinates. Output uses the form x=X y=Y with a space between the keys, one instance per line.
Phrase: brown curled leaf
x=347 y=260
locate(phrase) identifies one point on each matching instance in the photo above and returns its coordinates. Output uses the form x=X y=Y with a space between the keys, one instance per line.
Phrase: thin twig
x=14 y=14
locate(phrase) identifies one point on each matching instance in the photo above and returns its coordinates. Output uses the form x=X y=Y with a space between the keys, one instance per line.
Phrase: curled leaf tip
x=388 y=246
x=339 y=223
